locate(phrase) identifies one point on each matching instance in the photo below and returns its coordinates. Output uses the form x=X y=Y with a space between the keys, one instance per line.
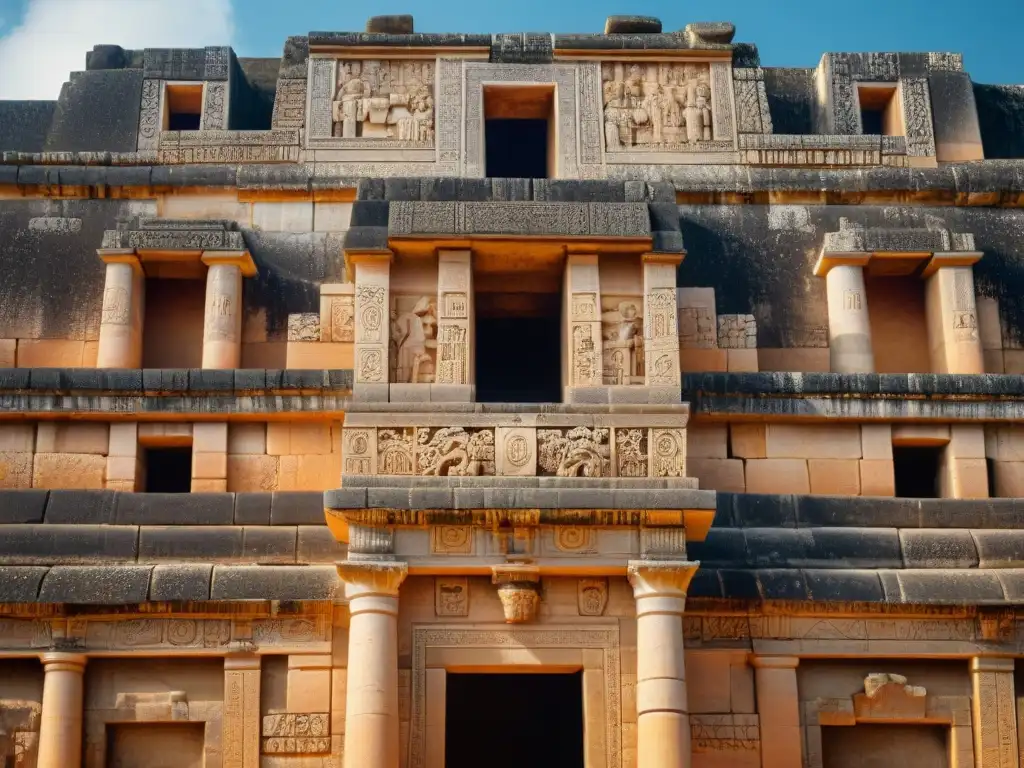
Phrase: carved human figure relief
x=592 y=596
x=631 y=452
x=622 y=329
x=657 y=106
x=413 y=327
x=370 y=314
x=384 y=99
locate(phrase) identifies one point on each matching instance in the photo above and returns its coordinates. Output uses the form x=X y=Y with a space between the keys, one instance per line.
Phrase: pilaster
x=778 y=707
x=993 y=713
x=456 y=346
x=241 y=729
x=120 y=340
x=661 y=321
x=663 y=721
x=952 y=313
x=60 y=726
x=583 y=322
x=372 y=305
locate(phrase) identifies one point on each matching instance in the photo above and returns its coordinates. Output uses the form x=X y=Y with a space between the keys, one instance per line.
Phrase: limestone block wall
x=847 y=459
x=249 y=456
x=284 y=456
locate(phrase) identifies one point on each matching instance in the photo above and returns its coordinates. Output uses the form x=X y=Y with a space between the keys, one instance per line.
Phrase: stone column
x=661 y=323
x=455 y=344
x=371 y=700
x=583 y=366
x=849 y=326
x=373 y=323
x=60 y=727
x=778 y=708
x=120 y=342
x=993 y=713
x=952 y=313
x=240 y=737
x=222 y=325
x=663 y=720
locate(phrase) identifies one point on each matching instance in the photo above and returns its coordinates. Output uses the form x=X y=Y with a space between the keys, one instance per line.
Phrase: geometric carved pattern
x=602 y=738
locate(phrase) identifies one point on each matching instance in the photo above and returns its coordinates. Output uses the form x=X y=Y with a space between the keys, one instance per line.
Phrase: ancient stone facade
x=331 y=404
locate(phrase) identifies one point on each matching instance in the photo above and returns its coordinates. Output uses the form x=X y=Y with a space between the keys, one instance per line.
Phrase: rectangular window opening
x=167 y=470
x=184 y=107
x=917 y=471
x=879 y=110
x=519 y=132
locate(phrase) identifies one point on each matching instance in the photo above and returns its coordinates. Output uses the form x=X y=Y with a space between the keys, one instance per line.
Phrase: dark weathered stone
x=316 y=544
x=723 y=548
x=252 y=508
x=181 y=542
x=297 y=508
x=96 y=585
x=739 y=585
x=174 y=509
x=999 y=549
x=950 y=587
x=20 y=584
x=933 y=548
x=94 y=507
x=269 y=545
x=22 y=506
x=180 y=583
x=345 y=498
x=273 y=582
x=67 y=544
x=781 y=584
x=846 y=586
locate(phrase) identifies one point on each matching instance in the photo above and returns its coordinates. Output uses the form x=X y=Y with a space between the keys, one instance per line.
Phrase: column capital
x=241 y=259
x=774 y=662
x=64 y=662
x=660 y=578
x=374 y=578
x=241 y=662
x=827 y=260
x=991 y=664
x=120 y=256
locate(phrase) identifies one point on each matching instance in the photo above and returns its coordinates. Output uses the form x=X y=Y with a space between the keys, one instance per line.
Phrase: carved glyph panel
x=382 y=102
x=451 y=596
x=661 y=106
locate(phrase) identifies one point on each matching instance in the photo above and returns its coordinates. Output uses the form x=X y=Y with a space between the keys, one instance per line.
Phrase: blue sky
x=42 y=40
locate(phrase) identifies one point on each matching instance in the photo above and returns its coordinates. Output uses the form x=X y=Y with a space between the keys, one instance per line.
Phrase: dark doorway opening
x=168 y=470
x=917 y=471
x=516 y=149
x=518 y=360
x=538 y=721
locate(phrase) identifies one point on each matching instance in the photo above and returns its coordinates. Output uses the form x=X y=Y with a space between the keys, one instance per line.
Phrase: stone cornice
x=858 y=397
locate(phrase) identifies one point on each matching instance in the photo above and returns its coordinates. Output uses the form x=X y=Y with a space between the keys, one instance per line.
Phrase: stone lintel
x=120 y=256
x=241 y=259
x=355 y=257
x=774 y=662
x=951 y=259
x=515 y=573
x=241 y=661
x=672 y=259
x=829 y=259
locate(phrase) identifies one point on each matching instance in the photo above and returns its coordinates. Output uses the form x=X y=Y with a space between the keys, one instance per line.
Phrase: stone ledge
x=752 y=510
x=906 y=587
x=167 y=381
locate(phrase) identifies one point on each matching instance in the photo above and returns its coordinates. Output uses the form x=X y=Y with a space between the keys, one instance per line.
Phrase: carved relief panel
x=622 y=331
x=384 y=99
x=413 y=354
x=659 y=106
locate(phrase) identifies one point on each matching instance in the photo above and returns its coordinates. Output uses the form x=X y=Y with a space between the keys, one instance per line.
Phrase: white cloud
x=37 y=56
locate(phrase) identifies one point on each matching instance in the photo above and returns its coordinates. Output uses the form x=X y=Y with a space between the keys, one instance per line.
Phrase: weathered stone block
x=252 y=473
x=877 y=477
x=68 y=470
x=777 y=476
x=835 y=441
x=834 y=477
x=748 y=441
x=717 y=474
